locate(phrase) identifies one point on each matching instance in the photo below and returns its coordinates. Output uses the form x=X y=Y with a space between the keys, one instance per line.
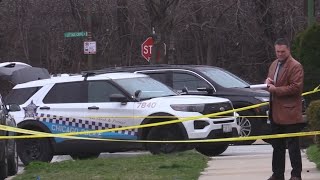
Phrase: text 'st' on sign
x=146 y=48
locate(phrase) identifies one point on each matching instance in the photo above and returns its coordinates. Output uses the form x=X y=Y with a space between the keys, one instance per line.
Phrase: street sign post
x=89 y=47
x=146 y=48
x=75 y=34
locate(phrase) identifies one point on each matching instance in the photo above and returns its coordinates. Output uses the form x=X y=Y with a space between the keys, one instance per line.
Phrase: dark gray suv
x=211 y=81
x=8 y=150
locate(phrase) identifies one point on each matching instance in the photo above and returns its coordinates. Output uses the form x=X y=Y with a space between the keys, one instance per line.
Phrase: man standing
x=285 y=84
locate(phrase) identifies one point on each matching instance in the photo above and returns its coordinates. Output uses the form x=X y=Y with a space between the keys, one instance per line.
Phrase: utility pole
x=310 y=12
x=154 y=50
x=89 y=38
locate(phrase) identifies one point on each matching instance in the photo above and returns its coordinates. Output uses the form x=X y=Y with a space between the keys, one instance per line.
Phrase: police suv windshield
x=224 y=78
x=148 y=87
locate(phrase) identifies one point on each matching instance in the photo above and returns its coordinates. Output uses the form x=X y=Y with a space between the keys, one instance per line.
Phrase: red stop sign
x=146 y=48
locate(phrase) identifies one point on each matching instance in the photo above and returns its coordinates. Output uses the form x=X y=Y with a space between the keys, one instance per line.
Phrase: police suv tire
x=214 y=149
x=247 y=124
x=38 y=149
x=164 y=133
x=3 y=164
x=12 y=158
x=84 y=155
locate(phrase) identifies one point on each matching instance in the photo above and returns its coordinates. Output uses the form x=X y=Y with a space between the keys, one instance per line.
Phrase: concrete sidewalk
x=253 y=167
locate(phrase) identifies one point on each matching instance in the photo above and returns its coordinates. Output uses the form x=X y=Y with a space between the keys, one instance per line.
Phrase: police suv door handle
x=45 y=107
x=93 y=107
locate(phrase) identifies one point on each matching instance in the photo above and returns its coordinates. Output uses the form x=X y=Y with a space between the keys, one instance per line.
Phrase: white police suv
x=103 y=101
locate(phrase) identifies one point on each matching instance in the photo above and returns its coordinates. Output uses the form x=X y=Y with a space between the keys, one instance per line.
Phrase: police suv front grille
x=222 y=122
x=218 y=107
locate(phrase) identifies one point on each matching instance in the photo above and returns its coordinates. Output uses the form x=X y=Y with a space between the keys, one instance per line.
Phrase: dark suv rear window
x=20 y=96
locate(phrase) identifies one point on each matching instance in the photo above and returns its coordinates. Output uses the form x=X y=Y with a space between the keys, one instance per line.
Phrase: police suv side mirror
x=118 y=98
x=185 y=90
x=13 y=107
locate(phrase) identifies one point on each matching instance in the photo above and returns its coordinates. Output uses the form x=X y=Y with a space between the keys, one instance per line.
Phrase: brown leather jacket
x=285 y=102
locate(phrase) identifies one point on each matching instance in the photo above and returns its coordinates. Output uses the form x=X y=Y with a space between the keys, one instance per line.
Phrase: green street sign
x=75 y=34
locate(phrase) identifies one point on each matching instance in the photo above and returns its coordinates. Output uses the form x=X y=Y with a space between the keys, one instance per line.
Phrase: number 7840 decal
x=146 y=105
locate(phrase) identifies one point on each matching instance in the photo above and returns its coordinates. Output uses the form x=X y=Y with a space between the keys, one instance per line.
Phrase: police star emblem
x=30 y=110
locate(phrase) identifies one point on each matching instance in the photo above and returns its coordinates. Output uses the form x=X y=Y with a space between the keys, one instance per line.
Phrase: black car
x=211 y=81
x=8 y=150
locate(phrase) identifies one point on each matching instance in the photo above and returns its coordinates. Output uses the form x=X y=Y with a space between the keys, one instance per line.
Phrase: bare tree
x=162 y=14
x=232 y=34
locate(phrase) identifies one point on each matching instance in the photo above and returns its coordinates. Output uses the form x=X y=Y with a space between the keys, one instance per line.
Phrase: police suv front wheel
x=164 y=133
x=213 y=149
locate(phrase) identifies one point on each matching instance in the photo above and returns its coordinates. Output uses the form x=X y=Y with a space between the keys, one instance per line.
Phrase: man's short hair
x=282 y=41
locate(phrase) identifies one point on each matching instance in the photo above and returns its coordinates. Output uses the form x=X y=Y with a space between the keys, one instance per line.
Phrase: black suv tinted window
x=191 y=82
x=224 y=78
x=100 y=91
x=1 y=102
x=20 y=96
x=162 y=77
x=74 y=92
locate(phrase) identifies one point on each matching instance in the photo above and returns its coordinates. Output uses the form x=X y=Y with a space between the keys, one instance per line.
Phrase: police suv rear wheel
x=164 y=133
x=34 y=150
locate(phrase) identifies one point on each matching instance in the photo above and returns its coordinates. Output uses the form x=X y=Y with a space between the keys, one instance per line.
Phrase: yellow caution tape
x=162 y=117
x=311 y=92
x=232 y=139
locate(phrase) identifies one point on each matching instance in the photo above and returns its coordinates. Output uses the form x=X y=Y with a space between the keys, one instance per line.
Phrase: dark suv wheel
x=12 y=158
x=35 y=150
x=3 y=161
x=248 y=126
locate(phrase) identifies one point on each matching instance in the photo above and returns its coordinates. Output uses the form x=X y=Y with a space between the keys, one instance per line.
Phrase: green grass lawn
x=313 y=153
x=178 y=166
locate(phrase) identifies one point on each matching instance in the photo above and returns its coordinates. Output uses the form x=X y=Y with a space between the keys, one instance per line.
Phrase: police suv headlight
x=188 y=107
x=263 y=99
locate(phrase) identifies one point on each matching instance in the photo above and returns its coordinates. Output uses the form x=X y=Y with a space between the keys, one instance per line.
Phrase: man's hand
x=269 y=81
x=271 y=88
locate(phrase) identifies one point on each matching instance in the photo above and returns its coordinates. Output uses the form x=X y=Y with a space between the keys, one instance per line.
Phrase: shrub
x=306 y=49
x=313 y=115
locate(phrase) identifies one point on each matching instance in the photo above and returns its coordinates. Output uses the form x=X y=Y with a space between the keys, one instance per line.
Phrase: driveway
x=252 y=162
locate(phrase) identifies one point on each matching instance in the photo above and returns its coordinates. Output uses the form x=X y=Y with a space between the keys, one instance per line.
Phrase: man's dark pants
x=279 y=150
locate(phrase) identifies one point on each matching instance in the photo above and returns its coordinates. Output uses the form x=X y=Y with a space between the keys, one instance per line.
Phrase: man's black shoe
x=295 y=178
x=276 y=178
